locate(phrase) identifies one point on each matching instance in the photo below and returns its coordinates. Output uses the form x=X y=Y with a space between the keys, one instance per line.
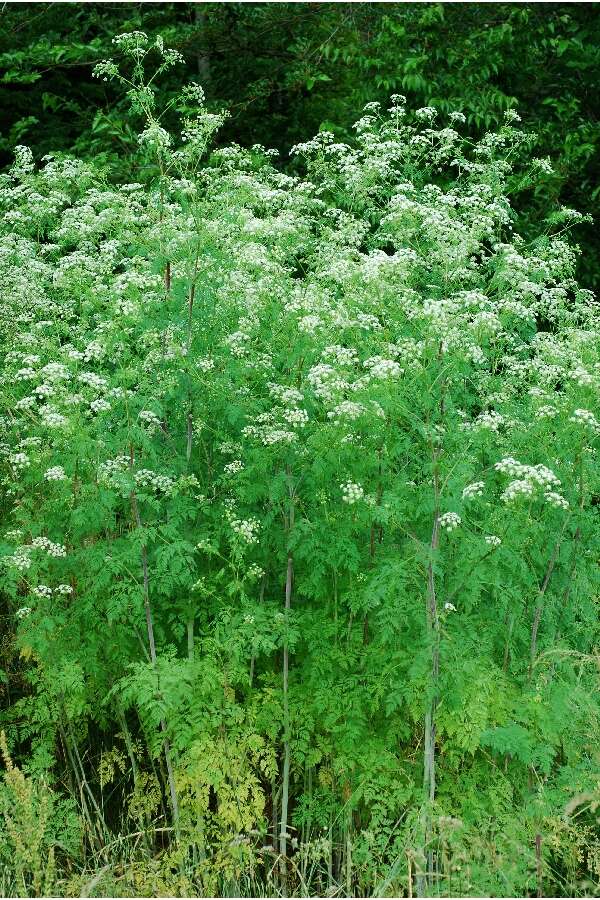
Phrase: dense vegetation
x=299 y=497
x=285 y=70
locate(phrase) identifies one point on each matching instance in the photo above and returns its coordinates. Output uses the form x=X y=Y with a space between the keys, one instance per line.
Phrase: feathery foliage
x=299 y=516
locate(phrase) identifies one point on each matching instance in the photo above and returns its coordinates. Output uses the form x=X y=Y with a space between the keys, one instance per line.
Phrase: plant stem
x=424 y=880
x=190 y=637
x=152 y=646
x=540 y=604
x=285 y=788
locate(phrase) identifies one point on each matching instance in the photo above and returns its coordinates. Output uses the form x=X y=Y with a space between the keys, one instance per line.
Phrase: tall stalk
x=190 y=429
x=433 y=631
x=424 y=879
x=285 y=786
x=537 y=617
x=152 y=645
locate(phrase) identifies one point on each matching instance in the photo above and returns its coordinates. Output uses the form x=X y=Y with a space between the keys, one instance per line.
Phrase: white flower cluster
x=229 y=448
x=538 y=475
x=547 y=411
x=343 y=356
x=269 y=434
x=55 y=473
x=383 y=368
x=289 y=395
x=528 y=481
x=92 y=380
x=309 y=324
x=368 y=322
x=19 y=560
x=586 y=418
x=20 y=460
x=520 y=487
x=52 y=549
x=163 y=484
x=582 y=377
x=487 y=321
x=25 y=403
x=99 y=405
x=543 y=164
x=43 y=591
x=64 y=589
x=237 y=343
x=326 y=381
x=111 y=468
x=155 y=136
x=473 y=490
x=94 y=350
x=149 y=418
x=492 y=540
x=23 y=163
x=269 y=431
x=426 y=113
x=53 y=419
x=25 y=374
x=296 y=417
x=235 y=466
x=352 y=492
x=247 y=529
x=556 y=500
x=347 y=410
x=44 y=390
x=449 y=521
x=491 y=421
x=55 y=371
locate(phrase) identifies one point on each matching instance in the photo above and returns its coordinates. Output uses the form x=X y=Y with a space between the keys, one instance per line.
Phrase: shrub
x=305 y=469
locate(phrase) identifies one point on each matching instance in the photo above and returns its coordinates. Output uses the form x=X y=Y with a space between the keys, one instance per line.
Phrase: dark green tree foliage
x=285 y=70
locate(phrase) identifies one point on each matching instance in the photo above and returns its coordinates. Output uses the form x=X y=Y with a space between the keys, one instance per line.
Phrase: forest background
x=275 y=621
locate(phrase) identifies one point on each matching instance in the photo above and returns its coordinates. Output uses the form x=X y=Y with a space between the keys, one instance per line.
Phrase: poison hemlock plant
x=300 y=491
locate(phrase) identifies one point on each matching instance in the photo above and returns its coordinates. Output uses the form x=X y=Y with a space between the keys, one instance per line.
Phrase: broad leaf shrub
x=300 y=512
